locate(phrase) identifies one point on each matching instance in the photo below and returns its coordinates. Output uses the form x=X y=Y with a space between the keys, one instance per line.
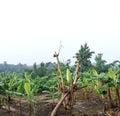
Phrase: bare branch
x=60 y=46
x=58 y=104
x=61 y=100
x=76 y=71
x=59 y=69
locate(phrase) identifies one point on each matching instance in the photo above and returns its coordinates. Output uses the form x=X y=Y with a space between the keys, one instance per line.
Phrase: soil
x=83 y=105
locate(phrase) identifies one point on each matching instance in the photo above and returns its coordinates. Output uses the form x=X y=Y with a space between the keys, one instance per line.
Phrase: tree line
x=84 y=53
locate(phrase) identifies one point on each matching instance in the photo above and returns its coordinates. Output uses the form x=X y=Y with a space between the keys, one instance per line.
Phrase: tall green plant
x=85 y=54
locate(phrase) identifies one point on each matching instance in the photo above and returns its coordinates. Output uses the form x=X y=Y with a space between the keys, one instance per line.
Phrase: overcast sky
x=31 y=30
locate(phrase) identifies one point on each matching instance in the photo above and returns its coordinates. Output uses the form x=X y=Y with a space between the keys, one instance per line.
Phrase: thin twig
x=60 y=46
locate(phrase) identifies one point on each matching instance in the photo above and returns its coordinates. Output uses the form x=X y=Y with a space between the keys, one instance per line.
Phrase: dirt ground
x=89 y=106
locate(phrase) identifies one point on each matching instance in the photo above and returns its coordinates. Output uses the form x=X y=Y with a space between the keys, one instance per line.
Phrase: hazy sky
x=31 y=30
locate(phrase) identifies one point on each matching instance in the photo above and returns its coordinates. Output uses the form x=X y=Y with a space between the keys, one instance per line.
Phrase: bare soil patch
x=90 y=106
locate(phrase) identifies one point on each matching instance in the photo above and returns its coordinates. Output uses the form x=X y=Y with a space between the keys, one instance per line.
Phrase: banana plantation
x=104 y=88
x=64 y=91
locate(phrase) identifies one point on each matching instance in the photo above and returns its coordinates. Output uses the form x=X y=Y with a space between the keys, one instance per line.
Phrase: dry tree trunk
x=58 y=104
x=30 y=109
x=118 y=95
x=20 y=110
x=59 y=69
x=110 y=98
x=66 y=98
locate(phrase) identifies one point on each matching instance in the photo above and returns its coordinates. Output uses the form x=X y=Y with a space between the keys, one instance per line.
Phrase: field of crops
x=22 y=95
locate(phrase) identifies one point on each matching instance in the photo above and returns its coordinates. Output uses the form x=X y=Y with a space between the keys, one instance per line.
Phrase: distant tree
x=49 y=69
x=85 y=54
x=100 y=64
x=39 y=70
x=19 y=68
x=68 y=62
x=42 y=69
x=115 y=63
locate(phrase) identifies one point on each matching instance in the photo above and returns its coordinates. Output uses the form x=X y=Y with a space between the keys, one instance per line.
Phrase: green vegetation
x=55 y=80
x=85 y=54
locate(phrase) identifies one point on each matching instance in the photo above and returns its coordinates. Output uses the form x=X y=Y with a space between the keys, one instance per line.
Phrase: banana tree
x=51 y=88
x=9 y=83
x=20 y=90
x=30 y=90
x=115 y=83
x=106 y=83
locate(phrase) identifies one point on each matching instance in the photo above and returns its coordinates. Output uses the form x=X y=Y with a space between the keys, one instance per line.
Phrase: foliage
x=103 y=80
x=44 y=69
x=85 y=54
x=103 y=84
x=19 y=68
x=100 y=64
